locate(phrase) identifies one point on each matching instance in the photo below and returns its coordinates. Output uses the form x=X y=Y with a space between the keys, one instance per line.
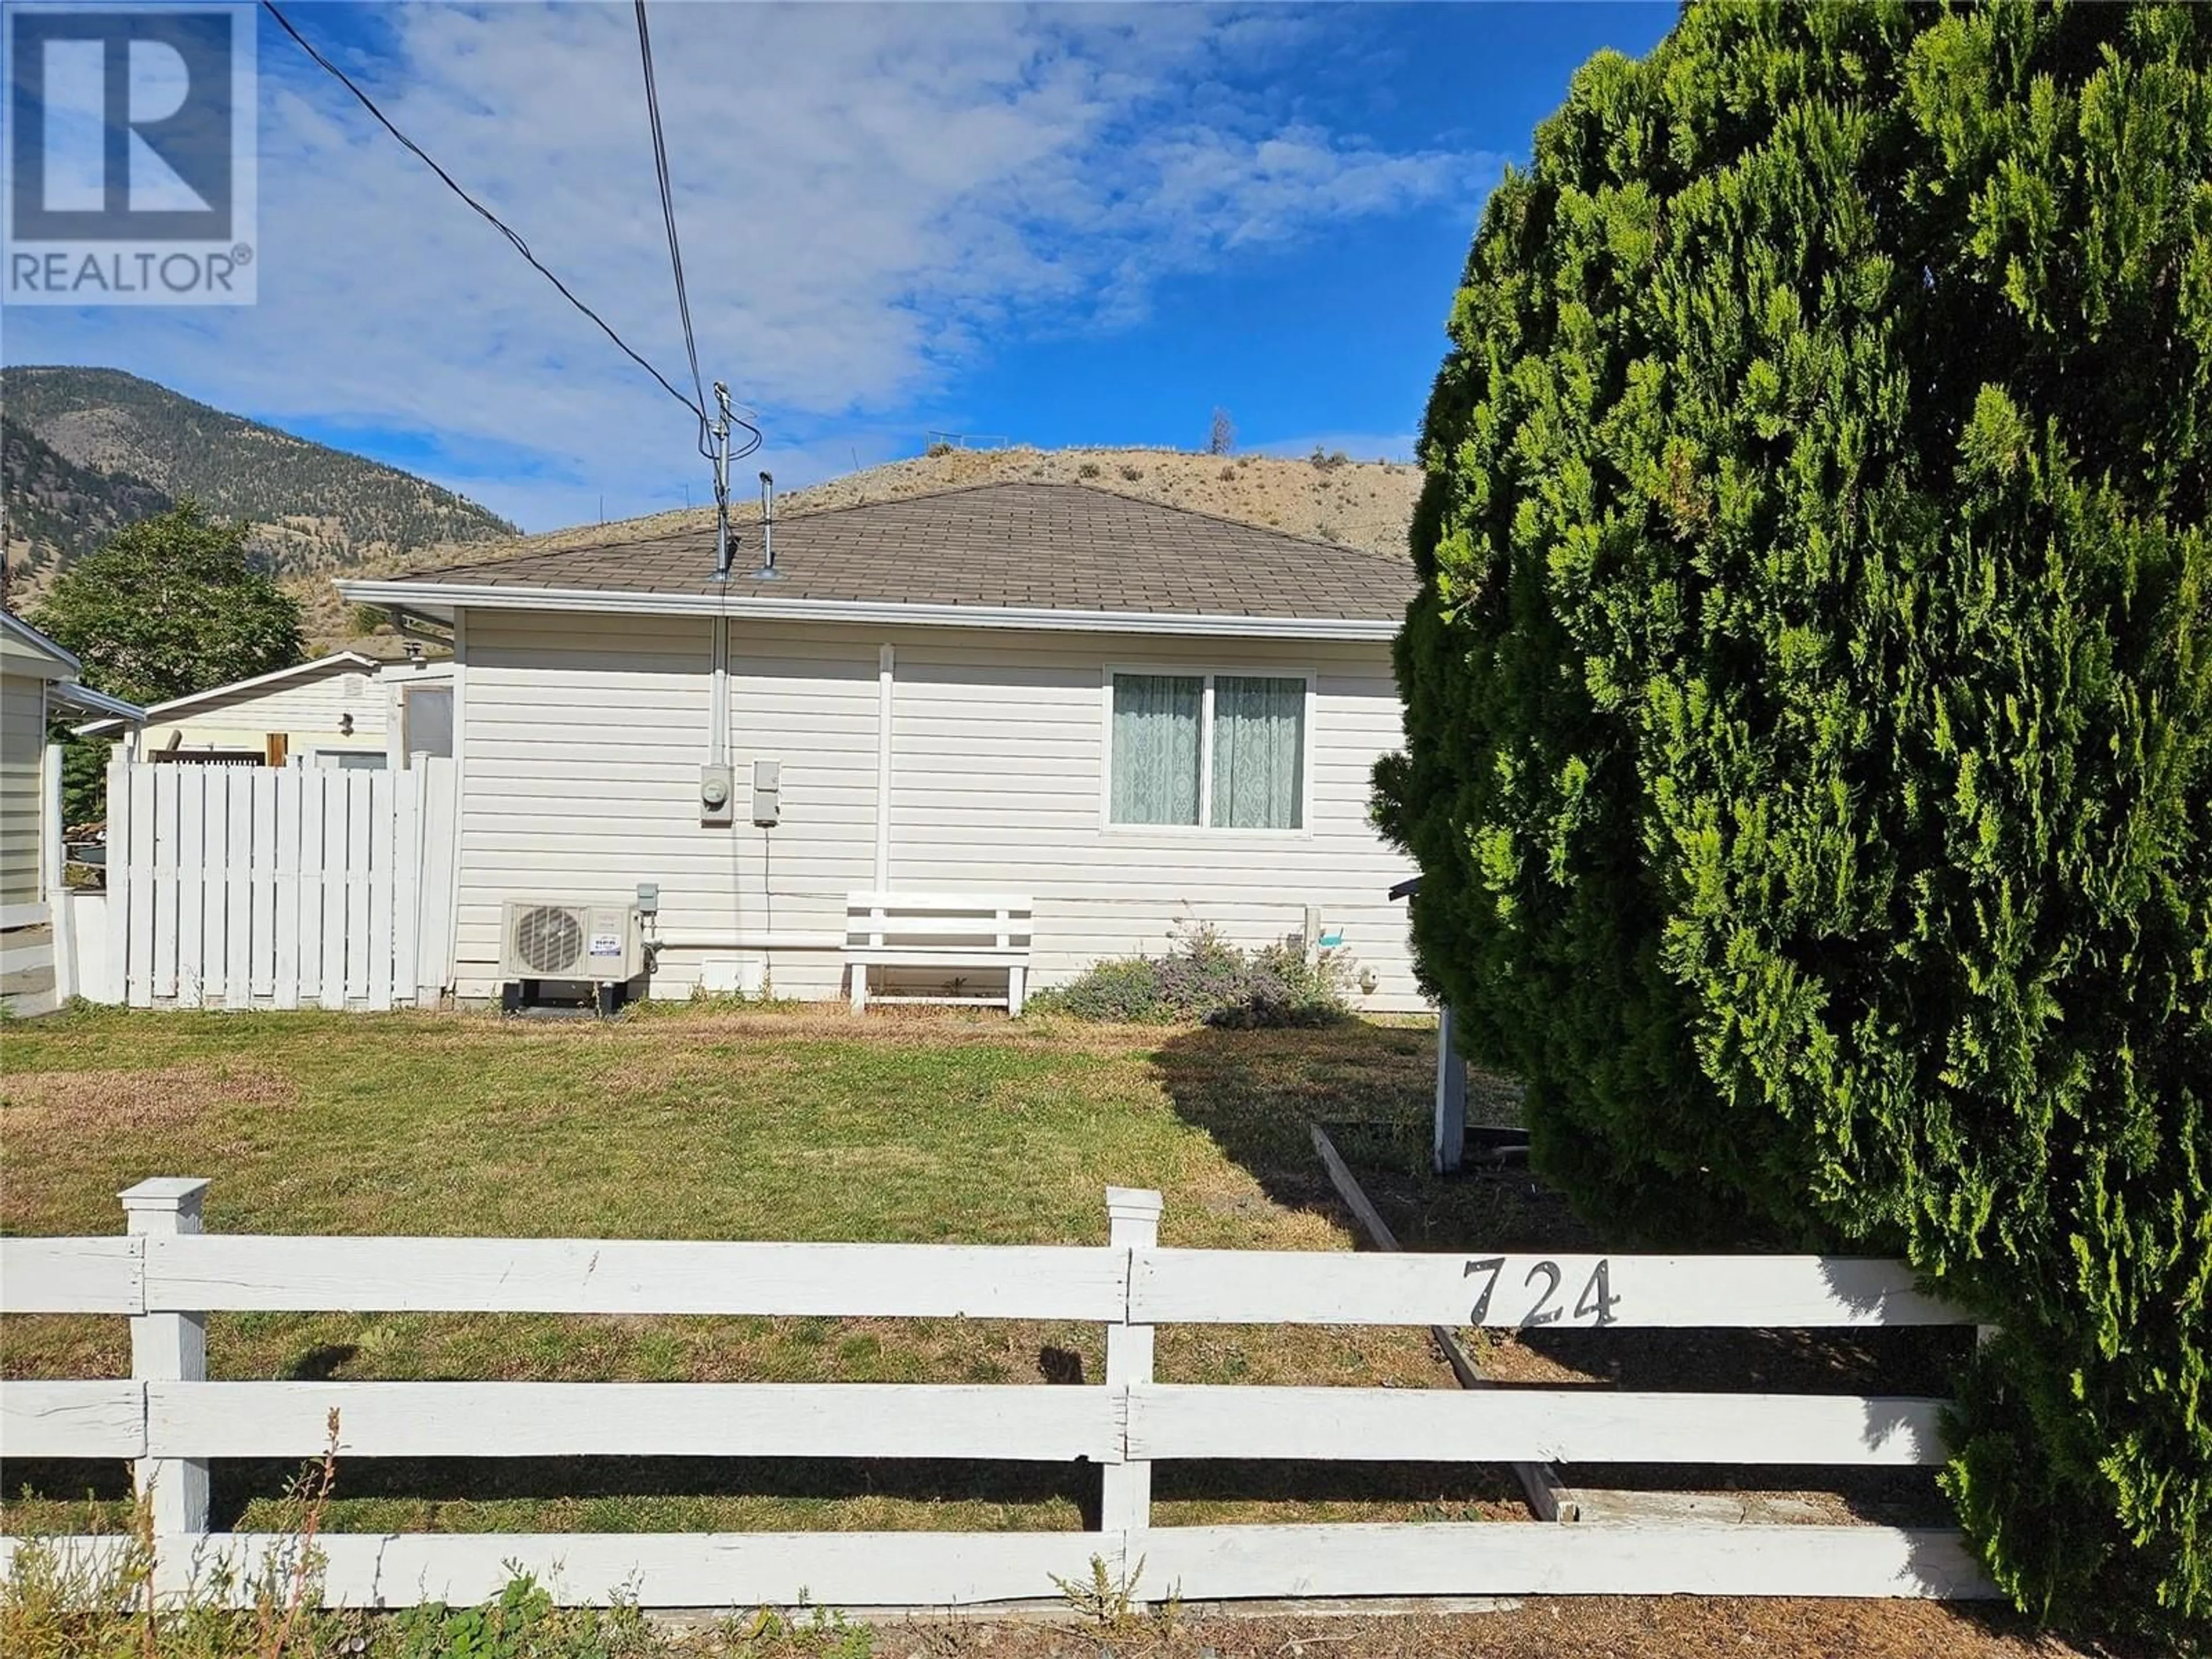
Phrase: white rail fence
x=167 y=1276
x=278 y=887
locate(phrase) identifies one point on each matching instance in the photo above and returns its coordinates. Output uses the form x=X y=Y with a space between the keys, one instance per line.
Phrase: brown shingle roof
x=1024 y=545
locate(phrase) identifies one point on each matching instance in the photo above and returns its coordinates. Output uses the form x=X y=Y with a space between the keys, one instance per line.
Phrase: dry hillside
x=90 y=450
x=1364 y=504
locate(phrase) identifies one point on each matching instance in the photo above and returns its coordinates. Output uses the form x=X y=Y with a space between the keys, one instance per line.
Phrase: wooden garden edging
x=168 y=1275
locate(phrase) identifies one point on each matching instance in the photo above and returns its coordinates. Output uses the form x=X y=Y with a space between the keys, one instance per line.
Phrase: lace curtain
x=1156 y=748
x=1259 y=751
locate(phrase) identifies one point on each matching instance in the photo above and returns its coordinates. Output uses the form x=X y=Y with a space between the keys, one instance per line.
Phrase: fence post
x=1126 y=1498
x=1449 y=1150
x=115 y=876
x=170 y=1347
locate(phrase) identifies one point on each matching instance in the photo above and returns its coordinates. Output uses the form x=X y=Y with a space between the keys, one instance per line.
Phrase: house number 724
x=1596 y=1304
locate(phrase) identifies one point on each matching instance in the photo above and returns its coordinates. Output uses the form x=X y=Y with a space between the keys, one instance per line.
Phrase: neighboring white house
x=347 y=709
x=1140 y=716
x=38 y=680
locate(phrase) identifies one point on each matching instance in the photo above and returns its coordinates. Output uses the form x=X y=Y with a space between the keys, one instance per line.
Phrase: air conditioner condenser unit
x=600 y=943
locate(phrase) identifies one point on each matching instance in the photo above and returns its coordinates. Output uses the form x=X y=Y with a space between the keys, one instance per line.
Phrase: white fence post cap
x=1133 y=1203
x=178 y=1192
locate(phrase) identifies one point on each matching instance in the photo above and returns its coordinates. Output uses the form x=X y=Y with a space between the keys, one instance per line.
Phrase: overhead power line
x=668 y=218
x=676 y=250
x=697 y=405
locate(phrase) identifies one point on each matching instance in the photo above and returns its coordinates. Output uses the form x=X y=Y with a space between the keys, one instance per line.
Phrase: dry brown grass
x=37 y=1107
x=1587 y=1627
x=706 y=1122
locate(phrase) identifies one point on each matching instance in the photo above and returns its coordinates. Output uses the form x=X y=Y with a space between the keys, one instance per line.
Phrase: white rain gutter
x=439 y=596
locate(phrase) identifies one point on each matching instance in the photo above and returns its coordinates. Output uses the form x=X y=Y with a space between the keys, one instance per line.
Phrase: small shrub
x=1132 y=473
x=522 y=1622
x=809 y=1633
x=1202 y=977
x=1126 y=992
x=1283 y=988
x=939 y=448
x=1088 y=470
x=1228 y=472
x=60 y=1602
x=1107 y=1599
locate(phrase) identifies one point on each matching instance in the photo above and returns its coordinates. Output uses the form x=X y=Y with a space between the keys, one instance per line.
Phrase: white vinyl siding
x=999 y=747
x=583 y=736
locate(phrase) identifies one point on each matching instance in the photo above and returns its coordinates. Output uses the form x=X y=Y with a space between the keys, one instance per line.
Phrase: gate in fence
x=166 y=1275
x=278 y=887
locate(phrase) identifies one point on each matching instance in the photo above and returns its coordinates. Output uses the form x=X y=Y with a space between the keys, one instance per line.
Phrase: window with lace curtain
x=1221 y=751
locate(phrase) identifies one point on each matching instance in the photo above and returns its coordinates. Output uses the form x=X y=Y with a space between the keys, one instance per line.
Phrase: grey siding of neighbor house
x=22 y=741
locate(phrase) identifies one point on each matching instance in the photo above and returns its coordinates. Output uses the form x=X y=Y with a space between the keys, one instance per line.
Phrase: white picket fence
x=167 y=1275
x=278 y=887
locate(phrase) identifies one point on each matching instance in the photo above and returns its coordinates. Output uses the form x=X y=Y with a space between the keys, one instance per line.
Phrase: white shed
x=1137 y=716
x=347 y=709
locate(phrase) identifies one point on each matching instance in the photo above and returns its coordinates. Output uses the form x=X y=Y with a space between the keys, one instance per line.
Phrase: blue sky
x=1066 y=224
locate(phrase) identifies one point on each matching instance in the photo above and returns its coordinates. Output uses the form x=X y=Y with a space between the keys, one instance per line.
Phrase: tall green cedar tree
x=170 y=605
x=1809 y=704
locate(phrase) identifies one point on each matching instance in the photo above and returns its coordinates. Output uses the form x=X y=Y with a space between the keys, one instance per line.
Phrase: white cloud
x=866 y=196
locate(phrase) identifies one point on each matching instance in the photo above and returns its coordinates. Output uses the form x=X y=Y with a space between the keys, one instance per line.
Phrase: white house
x=38 y=680
x=347 y=709
x=1138 y=715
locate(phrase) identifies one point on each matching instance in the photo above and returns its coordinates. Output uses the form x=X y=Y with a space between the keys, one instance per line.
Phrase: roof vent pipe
x=767 y=572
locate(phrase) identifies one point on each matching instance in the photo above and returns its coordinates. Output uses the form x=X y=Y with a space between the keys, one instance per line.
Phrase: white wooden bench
x=938 y=930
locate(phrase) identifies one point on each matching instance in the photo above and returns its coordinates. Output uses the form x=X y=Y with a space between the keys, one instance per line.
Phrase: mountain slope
x=115 y=437
x=58 y=510
x=1363 y=504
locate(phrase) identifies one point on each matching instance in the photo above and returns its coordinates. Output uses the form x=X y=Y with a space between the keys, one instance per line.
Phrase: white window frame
x=1206 y=673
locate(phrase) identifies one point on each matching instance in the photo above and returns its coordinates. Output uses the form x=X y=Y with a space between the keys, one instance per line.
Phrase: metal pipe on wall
x=885 y=661
x=763 y=941
x=718 y=714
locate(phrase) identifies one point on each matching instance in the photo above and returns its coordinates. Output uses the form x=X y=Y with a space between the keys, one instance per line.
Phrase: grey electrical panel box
x=768 y=788
x=649 y=898
x=718 y=791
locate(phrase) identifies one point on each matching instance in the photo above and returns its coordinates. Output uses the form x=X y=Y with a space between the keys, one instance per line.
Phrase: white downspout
x=456 y=880
x=718 y=717
x=884 y=661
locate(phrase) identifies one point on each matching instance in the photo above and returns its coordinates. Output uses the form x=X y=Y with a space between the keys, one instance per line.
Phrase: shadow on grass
x=1372 y=1087
x=650 y=1493
x=321 y=1363
x=1254 y=1092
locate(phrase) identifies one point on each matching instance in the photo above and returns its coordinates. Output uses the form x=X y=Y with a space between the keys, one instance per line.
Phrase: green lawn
x=705 y=1125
